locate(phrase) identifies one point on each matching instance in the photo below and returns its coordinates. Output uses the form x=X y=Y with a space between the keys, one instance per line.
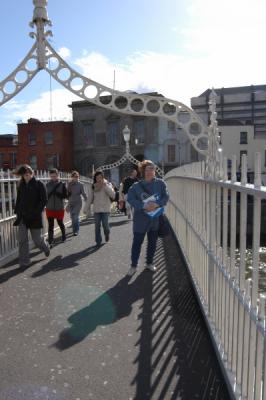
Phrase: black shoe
x=63 y=239
x=107 y=237
x=75 y=233
x=47 y=252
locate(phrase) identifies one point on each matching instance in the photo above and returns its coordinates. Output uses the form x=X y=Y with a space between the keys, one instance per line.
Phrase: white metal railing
x=8 y=193
x=210 y=220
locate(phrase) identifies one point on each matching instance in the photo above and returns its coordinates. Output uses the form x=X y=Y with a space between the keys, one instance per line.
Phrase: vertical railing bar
x=243 y=224
x=260 y=382
x=256 y=232
x=246 y=340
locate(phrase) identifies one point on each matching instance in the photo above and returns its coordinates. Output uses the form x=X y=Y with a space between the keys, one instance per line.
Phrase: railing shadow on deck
x=176 y=359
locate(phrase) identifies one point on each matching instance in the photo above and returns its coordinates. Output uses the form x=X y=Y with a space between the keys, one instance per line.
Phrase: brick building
x=45 y=145
x=8 y=151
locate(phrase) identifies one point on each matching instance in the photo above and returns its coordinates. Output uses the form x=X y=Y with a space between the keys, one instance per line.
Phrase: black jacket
x=128 y=183
x=31 y=200
x=56 y=192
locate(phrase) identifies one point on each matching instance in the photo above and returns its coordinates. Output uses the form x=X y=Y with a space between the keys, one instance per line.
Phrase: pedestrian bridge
x=75 y=327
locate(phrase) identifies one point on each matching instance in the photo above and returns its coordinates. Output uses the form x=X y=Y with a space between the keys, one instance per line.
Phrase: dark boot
x=63 y=233
x=50 y=237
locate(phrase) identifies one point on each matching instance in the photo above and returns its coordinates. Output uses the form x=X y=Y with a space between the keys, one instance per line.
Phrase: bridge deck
x=73 y=327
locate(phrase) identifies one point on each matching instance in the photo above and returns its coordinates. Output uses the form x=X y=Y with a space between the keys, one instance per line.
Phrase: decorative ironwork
x=43 y=56
x=213 y=169
x=127 y=157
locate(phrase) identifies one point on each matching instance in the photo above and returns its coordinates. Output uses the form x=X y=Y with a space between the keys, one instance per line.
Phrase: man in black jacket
x=132 y=178
x=31 y=200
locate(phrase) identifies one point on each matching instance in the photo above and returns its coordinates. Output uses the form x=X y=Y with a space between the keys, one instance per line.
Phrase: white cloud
x=40 y=108
x=222 y=46
x=64 y=52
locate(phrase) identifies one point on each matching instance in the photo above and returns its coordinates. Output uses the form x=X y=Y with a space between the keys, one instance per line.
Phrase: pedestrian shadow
x=13 y=272
x=118 y=223
x=59 y=262
x=111 y=306
x=12 y=263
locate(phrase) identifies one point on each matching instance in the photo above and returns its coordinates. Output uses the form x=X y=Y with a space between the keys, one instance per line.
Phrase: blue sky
x=179 y=48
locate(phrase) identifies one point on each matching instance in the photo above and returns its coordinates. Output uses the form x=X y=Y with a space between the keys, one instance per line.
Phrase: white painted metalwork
x=127 y=157
x=8 y=194
x=43 y=56
x=234 y=309
x=201 y=199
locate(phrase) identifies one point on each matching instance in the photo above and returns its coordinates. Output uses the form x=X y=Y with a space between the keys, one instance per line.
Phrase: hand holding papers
x=151 y=206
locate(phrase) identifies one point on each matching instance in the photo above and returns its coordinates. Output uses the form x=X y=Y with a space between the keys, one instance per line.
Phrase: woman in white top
x=103 y=195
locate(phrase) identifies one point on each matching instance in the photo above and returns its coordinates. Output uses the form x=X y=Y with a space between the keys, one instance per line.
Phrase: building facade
x=98 y=140
x=8 y=151
x=241 y=115
x=246 y=104
x=45 y=145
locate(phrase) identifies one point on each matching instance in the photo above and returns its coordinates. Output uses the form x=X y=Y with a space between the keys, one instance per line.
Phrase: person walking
x=103 y=196
x=75 y=192
x=129 y=181
x=56 y=192
x=30 y=203
x=147 y=197
x=122 y=202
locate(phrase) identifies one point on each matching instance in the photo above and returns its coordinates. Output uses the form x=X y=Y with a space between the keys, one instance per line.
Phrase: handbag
x=164 y=228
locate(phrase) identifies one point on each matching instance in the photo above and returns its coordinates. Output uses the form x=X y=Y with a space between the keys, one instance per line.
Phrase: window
x=264 y=157
x=243 y=137
x=113 y=133
x=171 y=153
x=33 y=161
x=220 y=137
x=100 y=139
x=171 y=126
x=153 y=134
x=88 y=133
x=1 y=160
x=139 y=131
x=49 y=137
x=32 y=138
x=52 y=161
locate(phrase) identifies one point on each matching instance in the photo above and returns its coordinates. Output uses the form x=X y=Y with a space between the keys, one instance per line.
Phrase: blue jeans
x=75 y=221
x=99 y=218
x=137 y=243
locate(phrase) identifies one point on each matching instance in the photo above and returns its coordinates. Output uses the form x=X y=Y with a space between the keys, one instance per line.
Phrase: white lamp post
x=126 y=134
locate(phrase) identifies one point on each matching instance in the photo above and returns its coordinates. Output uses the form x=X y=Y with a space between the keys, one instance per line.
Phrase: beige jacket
x=102 y=196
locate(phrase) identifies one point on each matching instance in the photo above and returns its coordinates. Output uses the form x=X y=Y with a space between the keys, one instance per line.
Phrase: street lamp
x=126 y=134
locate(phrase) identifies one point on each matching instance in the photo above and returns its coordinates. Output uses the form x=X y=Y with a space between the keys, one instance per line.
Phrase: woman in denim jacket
x=143 y=223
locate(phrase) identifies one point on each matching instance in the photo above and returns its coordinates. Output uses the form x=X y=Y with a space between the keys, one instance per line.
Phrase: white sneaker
x=151 y=267
x=131 y=271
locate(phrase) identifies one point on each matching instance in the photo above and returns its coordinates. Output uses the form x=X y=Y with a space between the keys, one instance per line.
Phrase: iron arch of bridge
x=42 y=56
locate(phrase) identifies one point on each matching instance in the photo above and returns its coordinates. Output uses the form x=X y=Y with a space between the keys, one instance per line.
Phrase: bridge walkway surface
x=74 y=327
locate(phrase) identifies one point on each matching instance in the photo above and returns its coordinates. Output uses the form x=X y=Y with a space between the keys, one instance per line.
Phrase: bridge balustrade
x=209 y=219
x=8 y=194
